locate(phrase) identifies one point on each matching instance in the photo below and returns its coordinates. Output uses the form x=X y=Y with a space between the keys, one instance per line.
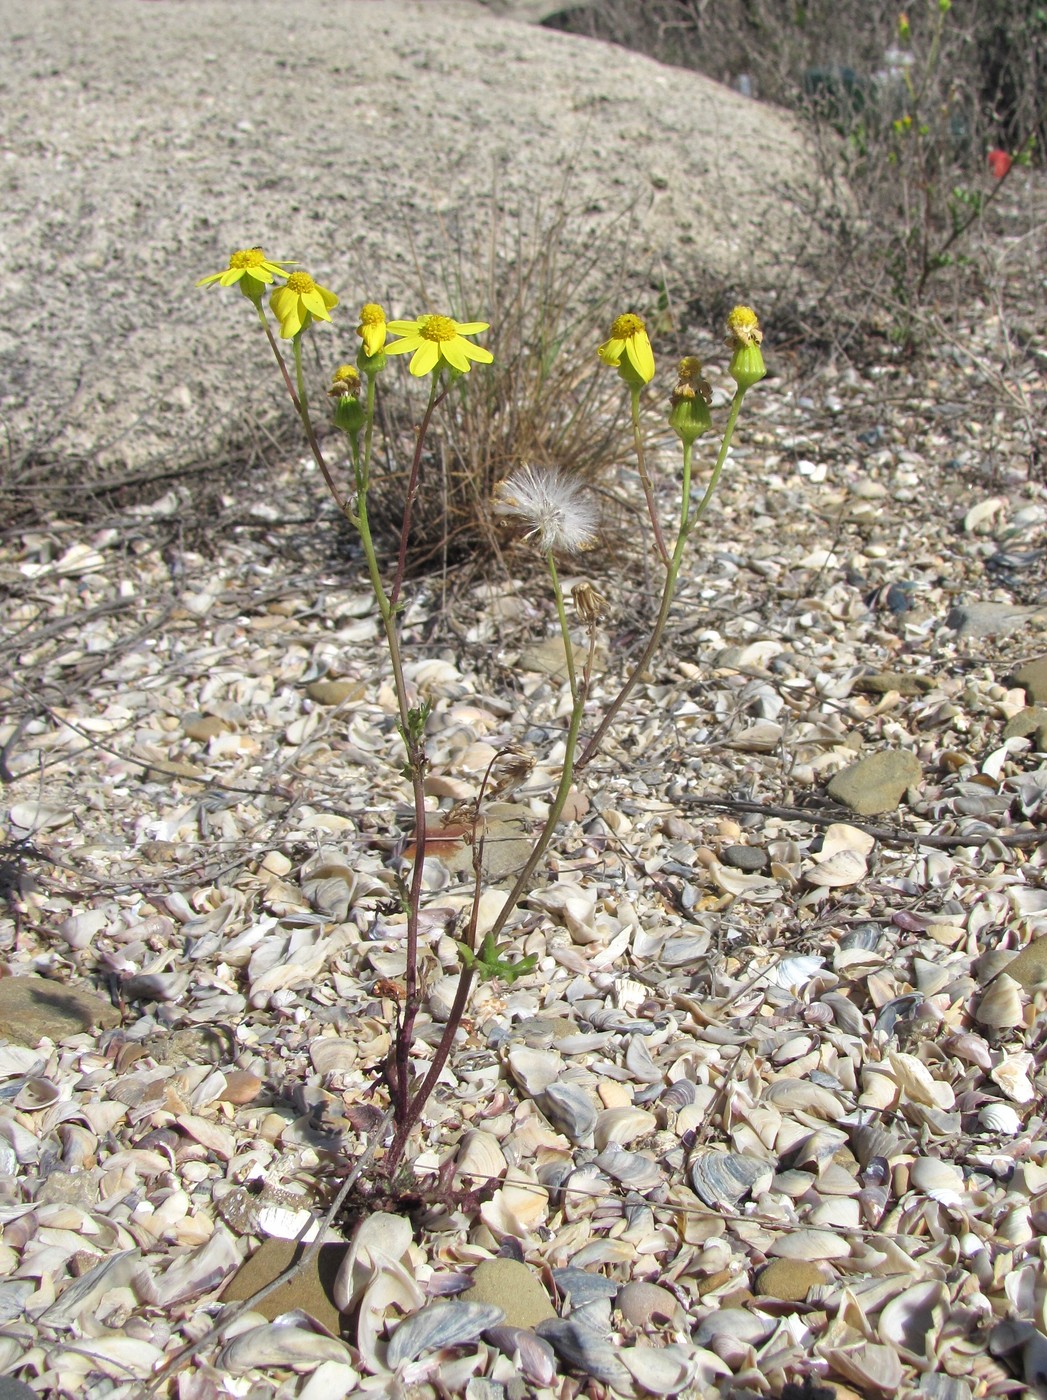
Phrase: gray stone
x=1032 y=677
x=549 y=657
x=901 y=682
x=876 y=783
x=120 y=202
x=514 y=1288
x=745 y=857
x=990 y=619
x=33 y=1007
x=1030 y=722
x=12 y=1389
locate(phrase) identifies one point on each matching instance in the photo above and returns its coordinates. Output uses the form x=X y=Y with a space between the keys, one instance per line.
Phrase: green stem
x=301 y=402
x=412 y=488
x=564 y=629
x=687 y=524
x=645 y=480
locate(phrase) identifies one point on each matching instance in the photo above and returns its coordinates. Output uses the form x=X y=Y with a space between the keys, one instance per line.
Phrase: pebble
x=980 y=620
x=32 y=1008
x=647 y=1304
x=876 y=783
x=514 y=1288
x=791 y=1279
x=309 y=1291
x=745 y=857
x=1030 y=721
x=900 y=682
x=1029 y=967
x=329 y=692
x=1032 y=677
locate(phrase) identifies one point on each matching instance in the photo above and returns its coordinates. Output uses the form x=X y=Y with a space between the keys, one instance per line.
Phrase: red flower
x=999 y=162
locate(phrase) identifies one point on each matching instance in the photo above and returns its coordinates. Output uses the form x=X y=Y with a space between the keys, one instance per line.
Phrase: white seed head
x=558 y=512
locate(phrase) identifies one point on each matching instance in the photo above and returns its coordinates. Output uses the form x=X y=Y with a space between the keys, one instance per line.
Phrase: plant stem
x=687 y=524
x=302 y=404
x=465 y=975
x=645 y=480
x=412 y=488
x=565 y=631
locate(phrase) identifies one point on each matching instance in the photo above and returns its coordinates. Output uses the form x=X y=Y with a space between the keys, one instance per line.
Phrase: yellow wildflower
x=629 y=341
x=432 y=339
x=296 y=303
x=251 y=268
x=372 y=328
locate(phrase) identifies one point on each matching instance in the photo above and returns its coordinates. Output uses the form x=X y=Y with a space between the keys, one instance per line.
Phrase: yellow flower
x=251 y=268
x=372 y=328
x=296 y=303
x=744 y=336
x=629 y=339
x=431 y=339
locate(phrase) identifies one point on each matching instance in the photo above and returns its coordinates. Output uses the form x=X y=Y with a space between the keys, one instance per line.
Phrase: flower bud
x=348 y=411
x=689 y=412
x=744 y=336
x=589 y=605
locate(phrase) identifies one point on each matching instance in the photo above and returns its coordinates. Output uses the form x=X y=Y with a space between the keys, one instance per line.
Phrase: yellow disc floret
x=743 y=327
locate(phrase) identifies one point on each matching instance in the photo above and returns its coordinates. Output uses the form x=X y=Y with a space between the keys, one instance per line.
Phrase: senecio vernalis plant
x=557 y=513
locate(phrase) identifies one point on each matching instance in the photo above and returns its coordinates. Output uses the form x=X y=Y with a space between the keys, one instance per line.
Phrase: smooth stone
x=990 y=619
x=204 y=727
x=310 y=1290
x=13 y=1389
x=506 y=849
x=512 y=1287
x=1032 y=677
x=901 y=682
x=335 y=692
x=876 y=783
x=646 y=1304
x=32 y=1008
x=791 y=1279
x=1030 y=721
x=1029 y=967
x=241 y=1086
x=744 y=857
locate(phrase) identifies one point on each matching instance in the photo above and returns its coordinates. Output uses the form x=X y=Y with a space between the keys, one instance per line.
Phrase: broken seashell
x=726 y=1178
x=1001 y=1004
x=589 y=1351
x=279 y=1344
x=570 y=1110
x=440 y=1325
x=622 y=1126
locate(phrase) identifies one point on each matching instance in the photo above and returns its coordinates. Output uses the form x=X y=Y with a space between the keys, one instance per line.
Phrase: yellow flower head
x=345 y=380
x=434 y=339
x=296 y=303
x=251 y=268
x=744 y=336
x=372 y=328
x=629 y=350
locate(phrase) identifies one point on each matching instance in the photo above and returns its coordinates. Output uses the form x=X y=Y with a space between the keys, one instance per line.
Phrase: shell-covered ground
x=767 y=1115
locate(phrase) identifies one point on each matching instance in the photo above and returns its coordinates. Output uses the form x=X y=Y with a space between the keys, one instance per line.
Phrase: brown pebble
x=791 y=1279
x=241 y=1086
x=335 y=692
x=646 y=1304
